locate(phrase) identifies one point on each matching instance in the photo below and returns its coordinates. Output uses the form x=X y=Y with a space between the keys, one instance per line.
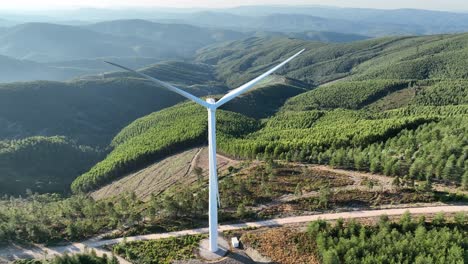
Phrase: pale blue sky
x=454 y=5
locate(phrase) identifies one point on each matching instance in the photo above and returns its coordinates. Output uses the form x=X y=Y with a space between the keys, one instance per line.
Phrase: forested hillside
x=404 y=58
x=349 y=95
x=89 y=112
x=93 y=111
x=158 y=135
x=267 y=98
x=409 y=239
x=32 y=164
x=184 y=126
x=170 y=39
x=14 y=69
x=343 y=124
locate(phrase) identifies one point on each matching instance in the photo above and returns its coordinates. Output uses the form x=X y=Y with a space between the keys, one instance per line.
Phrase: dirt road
x=15 y=251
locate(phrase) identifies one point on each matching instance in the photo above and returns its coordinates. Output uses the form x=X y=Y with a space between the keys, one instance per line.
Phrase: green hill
x=267 y=98
x=13 y=70
x=171 y=39
x=454 y=92
x=90 y=112
x=198 y=78
x=367 y=22
x=346 y=94
x=93 y=111
x=157 y=135
x=184 y=126
x=51 y=42
x=321 y=36
x=42 y=164
x=428 y=57
x=333 y=124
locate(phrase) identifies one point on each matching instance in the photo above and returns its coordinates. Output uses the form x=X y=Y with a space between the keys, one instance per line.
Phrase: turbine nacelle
x=211 y=102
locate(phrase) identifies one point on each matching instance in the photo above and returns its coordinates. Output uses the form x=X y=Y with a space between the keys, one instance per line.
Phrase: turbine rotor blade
x=165 y=85
x=245 y=87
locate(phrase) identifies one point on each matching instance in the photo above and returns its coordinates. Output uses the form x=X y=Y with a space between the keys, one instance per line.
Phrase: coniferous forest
x=394 y=107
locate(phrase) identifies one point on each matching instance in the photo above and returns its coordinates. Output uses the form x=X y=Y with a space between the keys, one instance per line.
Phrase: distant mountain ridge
x=45 y=51
x=428 y=21
x=25 y=70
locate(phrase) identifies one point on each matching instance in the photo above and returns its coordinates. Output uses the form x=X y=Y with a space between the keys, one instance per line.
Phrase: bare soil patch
x=155 y=179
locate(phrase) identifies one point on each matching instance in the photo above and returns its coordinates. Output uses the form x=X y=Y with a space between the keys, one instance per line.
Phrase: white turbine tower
x=212 y=105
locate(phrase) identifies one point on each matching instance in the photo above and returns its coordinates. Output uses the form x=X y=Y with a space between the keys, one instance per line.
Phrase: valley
x=335 y=149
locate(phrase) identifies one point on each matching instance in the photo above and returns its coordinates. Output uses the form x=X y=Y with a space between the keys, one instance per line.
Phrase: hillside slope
x=32 y=164
x=178 y=39
x=428 y=57
x=45 y=42
x=184 y=126
x=174 y=170
x=51 y=42
x=92 y=111
x=333 y=124
x=86 y=112
x=13 y=70
x=157 y=136
x=267 y=98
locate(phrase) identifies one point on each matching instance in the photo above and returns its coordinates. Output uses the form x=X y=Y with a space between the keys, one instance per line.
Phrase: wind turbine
x=211 y=105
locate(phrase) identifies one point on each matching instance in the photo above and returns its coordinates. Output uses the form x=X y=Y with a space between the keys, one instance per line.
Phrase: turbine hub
x=210 y=100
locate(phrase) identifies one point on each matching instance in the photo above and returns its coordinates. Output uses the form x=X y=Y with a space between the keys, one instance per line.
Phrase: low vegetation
x=50 y=218
x=89 y=258
x=161 y=251
x=248 y=191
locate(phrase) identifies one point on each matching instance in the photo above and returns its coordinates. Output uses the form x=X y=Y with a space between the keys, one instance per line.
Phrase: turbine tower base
x=206 y=254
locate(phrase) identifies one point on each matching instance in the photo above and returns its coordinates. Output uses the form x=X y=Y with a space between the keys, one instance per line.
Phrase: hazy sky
x=461 y=5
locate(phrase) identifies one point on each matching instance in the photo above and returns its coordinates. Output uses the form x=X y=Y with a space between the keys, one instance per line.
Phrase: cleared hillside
x=172 y=171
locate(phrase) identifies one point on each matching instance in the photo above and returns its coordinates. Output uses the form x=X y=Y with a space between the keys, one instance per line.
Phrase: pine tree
x=465 y=179
x=331 y=257
x=324 y=196
x=450 y=170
